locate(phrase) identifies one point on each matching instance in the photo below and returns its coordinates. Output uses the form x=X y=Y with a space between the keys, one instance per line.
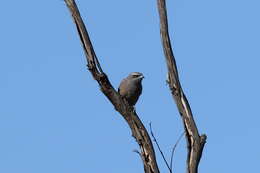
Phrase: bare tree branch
x=195 y=142
x=159 y=148
x=138 y=130
x=174 y=147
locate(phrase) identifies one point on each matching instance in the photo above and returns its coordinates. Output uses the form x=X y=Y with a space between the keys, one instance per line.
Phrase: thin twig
x=174 y=147
x=154 y=139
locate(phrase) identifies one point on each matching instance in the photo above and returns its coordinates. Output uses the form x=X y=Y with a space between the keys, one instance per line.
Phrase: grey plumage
x=130 y=87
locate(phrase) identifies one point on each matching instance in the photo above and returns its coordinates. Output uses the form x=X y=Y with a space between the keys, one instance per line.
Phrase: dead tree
x=195 y=142
x=139 y=132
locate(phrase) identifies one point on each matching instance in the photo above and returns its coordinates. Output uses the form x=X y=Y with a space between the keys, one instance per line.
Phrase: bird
x=130 y=87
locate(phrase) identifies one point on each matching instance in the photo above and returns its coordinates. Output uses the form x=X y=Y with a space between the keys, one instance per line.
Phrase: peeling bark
x=195 y=141
x=128 y=112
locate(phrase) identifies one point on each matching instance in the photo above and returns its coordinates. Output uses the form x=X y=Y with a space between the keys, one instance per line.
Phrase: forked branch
x=138 y=130
x=195 y=142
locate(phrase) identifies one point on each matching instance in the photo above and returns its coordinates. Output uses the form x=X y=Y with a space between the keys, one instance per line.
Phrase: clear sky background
x=54 y=119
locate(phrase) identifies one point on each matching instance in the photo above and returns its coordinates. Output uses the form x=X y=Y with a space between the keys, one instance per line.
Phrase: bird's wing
x=122 y=89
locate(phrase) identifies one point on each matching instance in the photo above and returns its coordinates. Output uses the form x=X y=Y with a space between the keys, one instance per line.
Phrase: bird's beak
x=142 y=77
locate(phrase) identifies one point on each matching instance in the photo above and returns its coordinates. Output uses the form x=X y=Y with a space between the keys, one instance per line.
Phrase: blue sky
x=53 y=118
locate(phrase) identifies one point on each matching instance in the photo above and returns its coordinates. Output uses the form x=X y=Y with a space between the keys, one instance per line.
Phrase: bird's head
x=136 y=76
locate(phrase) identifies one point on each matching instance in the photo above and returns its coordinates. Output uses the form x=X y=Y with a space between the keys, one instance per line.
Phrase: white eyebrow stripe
x=136 y=74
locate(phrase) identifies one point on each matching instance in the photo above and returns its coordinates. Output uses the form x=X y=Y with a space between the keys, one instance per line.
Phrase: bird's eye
x=135 y=76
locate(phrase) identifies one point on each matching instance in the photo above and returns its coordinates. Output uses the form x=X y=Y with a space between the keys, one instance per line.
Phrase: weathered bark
x=129 y=114
x=195 y=141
